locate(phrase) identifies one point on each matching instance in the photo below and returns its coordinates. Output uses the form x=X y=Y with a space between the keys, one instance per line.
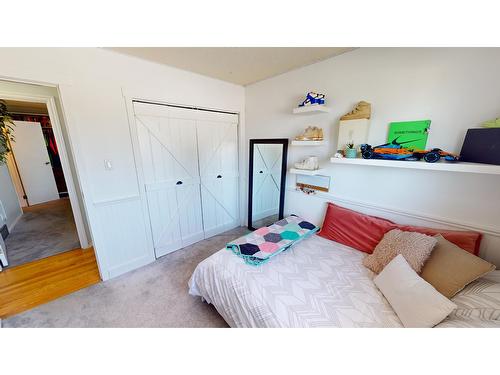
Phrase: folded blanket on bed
x=258 y=247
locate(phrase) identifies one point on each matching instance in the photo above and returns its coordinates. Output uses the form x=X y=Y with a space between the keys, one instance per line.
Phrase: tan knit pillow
x=414 y=247
x=449 y=268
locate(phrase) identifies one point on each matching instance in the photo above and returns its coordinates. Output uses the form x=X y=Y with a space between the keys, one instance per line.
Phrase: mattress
x=316 y=283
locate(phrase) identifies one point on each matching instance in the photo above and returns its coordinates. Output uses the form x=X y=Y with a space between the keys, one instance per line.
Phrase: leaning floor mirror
x=267 y=173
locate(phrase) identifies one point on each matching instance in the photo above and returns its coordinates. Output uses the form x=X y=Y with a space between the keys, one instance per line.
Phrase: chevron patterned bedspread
x=316 y=283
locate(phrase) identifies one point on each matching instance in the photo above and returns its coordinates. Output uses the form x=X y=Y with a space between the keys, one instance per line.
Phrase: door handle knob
x=219 y=176
x=178 y=183
x=261 y=172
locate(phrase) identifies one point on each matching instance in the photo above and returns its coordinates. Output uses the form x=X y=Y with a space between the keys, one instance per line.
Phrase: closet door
x=218 y=158
x=168 y=148
x=266 y=181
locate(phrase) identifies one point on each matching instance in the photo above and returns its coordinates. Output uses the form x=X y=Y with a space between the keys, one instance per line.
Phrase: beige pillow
x=449 y=268
x=415 y=247
x=414 y=300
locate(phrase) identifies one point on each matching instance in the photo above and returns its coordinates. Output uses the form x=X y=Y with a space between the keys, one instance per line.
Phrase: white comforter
x=316 y=283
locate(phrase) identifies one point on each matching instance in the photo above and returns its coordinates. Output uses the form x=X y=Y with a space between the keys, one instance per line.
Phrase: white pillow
x=414 y=300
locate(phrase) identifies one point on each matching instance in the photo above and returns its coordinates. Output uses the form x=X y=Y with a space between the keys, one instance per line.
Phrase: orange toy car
x=395 y=151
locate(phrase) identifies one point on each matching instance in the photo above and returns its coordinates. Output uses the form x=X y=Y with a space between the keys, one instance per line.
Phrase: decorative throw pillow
x=449 y=268
x=354 y=229
x=415 y=248
x=414 y=300
x=363 y=232
x=467 y=240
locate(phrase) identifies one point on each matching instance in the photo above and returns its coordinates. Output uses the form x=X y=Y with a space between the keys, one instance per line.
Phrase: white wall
x=92 y=83
x=8 y=197
x=455 y=88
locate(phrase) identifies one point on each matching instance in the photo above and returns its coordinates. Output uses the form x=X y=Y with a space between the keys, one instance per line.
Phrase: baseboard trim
x=129 y=266
x=14 y=223
x=108 y=202
x=192 y=239
x=411 y=214
x=220 y=229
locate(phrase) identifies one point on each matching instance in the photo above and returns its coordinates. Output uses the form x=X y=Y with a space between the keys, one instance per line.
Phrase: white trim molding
x=14 y=223
x=49 y=101
x=411 y=214
x=109 y=202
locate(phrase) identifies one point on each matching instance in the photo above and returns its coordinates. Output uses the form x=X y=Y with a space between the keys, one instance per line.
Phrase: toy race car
x=395 y=151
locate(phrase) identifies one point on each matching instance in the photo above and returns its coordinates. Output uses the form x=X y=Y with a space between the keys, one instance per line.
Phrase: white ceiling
x=240 y=65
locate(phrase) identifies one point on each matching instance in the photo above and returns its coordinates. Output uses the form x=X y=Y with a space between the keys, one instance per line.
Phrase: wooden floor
x=32 y=284
x=41 y=206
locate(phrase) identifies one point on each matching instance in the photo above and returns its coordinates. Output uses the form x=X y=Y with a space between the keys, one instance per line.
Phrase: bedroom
x=255 y=186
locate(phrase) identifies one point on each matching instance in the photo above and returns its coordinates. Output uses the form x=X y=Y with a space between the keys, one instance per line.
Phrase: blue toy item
x=313 y=98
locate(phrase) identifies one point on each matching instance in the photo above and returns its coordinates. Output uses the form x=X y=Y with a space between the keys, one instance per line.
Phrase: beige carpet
x=43 y=230
x=153 y=296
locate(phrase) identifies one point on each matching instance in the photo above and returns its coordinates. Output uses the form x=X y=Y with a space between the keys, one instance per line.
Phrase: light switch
x=108 y=165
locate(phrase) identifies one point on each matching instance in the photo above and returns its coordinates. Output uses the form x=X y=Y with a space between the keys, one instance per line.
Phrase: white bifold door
x=218 y=161
x=189 y=161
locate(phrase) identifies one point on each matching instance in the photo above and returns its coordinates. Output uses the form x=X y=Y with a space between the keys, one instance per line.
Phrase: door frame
x=129 y=105
x=49 y=101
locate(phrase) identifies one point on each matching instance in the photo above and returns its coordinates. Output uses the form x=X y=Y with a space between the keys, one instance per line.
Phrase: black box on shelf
x=481 y=146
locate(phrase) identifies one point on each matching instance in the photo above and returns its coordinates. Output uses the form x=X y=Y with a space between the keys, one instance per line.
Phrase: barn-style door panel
x=167 y=142
x=190 y=187
x=218 y=153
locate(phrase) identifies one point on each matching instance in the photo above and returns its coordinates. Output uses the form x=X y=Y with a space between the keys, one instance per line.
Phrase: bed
x=315 y=283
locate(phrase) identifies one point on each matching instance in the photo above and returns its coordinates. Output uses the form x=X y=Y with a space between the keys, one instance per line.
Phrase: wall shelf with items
x=307 y=172
x=311 y=109
x=310 y=184
x=439 y=166
x=308 y=143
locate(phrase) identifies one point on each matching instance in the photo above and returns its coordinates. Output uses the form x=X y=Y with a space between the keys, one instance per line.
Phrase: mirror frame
x=253 y=142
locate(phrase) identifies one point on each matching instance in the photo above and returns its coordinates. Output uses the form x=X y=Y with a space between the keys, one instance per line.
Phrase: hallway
x=43 y=230
x=41 y=281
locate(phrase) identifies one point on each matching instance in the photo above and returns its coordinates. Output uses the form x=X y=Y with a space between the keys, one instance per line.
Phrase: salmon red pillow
x=364 y=232
x=354 y=229
x=467 y=240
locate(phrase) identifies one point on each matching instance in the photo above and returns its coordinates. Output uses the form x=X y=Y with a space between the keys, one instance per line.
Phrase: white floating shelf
x=439 y=166
x=308 y=143
x=311 y=109
x=307 y=172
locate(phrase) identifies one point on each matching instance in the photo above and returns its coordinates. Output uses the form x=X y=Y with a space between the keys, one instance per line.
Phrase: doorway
x=38 y=214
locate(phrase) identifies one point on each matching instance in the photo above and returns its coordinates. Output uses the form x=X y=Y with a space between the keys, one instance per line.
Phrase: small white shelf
x=308 y=143
x=439 y=166
x=311 y=109
x=307 y=172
